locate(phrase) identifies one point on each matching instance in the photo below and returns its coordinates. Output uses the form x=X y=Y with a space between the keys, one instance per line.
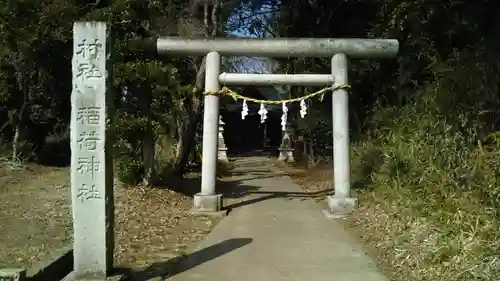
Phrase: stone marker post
x=91 y=170
x=221 y=147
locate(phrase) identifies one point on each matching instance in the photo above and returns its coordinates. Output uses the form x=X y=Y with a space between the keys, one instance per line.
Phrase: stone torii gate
x=91 y=142
x=207 y=201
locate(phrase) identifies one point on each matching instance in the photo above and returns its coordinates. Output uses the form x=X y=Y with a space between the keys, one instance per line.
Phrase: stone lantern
x=221 y=145
x=286 y=147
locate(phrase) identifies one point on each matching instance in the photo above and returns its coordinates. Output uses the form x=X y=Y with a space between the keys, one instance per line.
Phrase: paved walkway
x=275 y=234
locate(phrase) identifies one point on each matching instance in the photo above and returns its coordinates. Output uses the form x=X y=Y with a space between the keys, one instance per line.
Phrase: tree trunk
x=194 y=113
x=195 y=108
x=15 y=142
x=18 y=120
x=180 y=136
x=148 y=155
x=148 y=143
x=311 y=156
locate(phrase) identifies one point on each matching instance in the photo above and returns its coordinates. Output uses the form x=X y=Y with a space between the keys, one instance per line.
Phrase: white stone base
x=222 y=155
x=13 y=274
x=114 y=277
x=210 y=205
x=340 y=207
x=286 y=155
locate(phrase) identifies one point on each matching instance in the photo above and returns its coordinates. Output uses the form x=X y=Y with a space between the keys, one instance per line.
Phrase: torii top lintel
x=279 y=47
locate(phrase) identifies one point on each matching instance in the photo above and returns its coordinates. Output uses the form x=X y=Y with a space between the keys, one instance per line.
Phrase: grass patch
x=430 y=202
x=429 y=199
x=430 y=211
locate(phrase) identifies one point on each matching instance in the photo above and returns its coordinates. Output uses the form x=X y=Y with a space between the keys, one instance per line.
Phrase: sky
x=254 y=64
x=251 y=64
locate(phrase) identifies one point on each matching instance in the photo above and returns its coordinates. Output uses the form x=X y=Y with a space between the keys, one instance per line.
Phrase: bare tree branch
x=215 y=10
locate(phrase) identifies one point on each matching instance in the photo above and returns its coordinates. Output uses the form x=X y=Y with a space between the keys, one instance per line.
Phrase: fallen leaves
x=151 y=224
x=155 y=223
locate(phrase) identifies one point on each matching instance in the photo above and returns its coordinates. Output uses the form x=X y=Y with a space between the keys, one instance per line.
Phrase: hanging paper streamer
x=284 y=116
x=244 y=110
x=303 y=108
x=263 y=113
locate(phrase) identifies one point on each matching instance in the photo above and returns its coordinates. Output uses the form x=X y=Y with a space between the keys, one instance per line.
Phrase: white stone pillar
x=207 y=202
x=286 y=147
x=341 y=203
x=91 y=155
x=221 y=147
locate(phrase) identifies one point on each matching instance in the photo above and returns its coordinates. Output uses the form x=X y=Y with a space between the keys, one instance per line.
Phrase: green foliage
x=317 y=128
x=165 y=154
x=34 y=36
x=35 y=82
x=130 y=171
x=492 y=162
x=56 y=150
x=152 y=89
x=130 y=132
x=427 y=139
x=198 y=150
x=441 y=192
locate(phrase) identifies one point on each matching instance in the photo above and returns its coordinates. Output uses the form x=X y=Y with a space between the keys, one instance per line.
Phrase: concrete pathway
x=275 y=233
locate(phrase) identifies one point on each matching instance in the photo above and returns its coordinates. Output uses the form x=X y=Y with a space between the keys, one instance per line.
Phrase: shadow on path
x=267 y=195
x=247 y=170
x=172 y=267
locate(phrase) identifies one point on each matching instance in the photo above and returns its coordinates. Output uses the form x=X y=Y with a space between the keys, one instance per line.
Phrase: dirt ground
x=34 y=214
x=152 y=228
